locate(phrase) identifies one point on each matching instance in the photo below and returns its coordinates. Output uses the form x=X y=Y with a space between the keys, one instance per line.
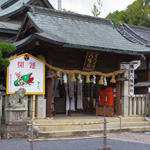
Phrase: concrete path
x=88 y=144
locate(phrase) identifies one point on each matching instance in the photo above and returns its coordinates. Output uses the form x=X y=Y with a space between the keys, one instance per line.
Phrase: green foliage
x=96 y=10
x=138 y=13
x=5 y=50
x=113 y=15
x=68 y=11
x=122 y=17
x=4 y=62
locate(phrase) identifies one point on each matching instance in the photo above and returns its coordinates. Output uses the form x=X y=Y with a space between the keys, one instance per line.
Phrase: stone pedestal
x=15 y=114
x=15 y=125
x=15 y=130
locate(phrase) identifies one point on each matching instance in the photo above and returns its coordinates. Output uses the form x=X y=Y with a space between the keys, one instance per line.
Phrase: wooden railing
x=138 y=105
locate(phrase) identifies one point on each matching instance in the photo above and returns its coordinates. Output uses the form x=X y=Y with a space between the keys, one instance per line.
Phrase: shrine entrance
x=85 y=95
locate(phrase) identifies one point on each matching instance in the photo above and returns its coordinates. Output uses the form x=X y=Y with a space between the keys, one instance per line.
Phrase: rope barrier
x=87 y=74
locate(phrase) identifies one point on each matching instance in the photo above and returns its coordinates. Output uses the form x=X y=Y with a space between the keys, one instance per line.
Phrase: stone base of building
x=15 y=130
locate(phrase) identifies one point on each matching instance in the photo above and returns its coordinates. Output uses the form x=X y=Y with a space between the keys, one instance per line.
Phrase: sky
x=85 y=6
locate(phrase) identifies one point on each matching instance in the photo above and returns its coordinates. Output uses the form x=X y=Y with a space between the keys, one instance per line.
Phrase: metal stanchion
x=105 y=147
x=31 y=135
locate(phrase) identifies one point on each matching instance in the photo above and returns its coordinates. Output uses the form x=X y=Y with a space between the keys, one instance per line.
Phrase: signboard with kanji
x=90 y=61
x=28 y=72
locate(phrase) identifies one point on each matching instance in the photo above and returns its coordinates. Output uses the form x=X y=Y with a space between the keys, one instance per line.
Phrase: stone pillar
x=135 y=105
x=40 y=106
x=139 y=106
x=143 y=105
x=125 y=92
x=130 y=105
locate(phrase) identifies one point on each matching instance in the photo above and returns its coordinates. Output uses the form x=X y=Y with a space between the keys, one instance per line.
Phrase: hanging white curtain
x=79 y=96
x=71 y=94
x=67 y=98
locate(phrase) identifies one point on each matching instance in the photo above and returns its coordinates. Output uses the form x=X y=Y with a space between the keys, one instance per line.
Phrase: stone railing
x=138 y=105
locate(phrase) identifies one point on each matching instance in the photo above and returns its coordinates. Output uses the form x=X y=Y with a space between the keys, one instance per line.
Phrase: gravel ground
x=124 y=141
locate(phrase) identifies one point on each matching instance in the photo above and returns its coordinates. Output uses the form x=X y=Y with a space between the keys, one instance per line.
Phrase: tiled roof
x=80 y=31
x=3 y=1
x=135 y=34
x=9 y=26
x=8 y=3
x=15 y=8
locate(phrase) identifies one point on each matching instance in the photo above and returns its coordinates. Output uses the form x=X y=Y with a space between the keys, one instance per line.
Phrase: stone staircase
x=132 y=124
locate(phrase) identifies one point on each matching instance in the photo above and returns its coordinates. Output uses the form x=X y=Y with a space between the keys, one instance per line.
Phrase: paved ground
x=124 y=141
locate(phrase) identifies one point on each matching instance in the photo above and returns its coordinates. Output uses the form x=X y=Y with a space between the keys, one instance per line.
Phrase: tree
x=138 y=13
x=69 y=11
x=114 y=15
x=5 y=50
x=96 y=10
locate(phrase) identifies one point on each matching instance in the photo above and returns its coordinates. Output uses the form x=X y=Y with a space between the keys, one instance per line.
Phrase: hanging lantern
x=113 y=79
x=88 y=79
x=73 y=79
x=65 y=78
x=58 y=75
x=101 y=81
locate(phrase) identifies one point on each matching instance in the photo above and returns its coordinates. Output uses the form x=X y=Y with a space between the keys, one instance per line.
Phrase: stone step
x=58 y=126
x=92 y=126
x=49 y=134
x=109 y=119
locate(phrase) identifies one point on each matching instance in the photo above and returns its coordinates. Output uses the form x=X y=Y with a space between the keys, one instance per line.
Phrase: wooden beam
x=24 y=30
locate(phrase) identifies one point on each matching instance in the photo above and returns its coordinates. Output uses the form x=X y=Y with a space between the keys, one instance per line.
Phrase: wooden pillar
x=118 y=91
x=118 y=97
x=49 y=111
